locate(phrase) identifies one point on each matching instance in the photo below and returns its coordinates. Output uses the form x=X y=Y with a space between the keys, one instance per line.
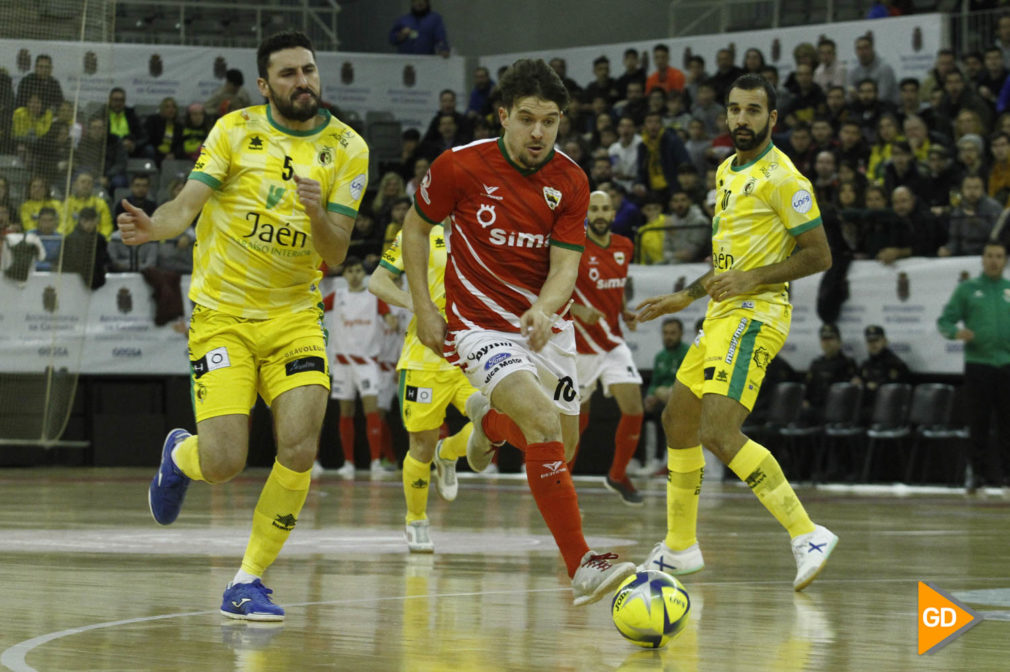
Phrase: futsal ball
x=650 y=608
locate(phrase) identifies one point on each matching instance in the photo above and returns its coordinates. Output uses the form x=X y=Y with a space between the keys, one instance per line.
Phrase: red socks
x=499 y=427
x=373 y=427
x=347 y=438
x=625 y=442
x=552 y=488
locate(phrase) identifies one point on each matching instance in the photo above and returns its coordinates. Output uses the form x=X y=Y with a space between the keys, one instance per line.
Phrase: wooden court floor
x=91 y=583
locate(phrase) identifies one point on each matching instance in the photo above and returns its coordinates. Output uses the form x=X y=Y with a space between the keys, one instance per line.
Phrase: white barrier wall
x=407 y=86
x=908 y=44
x=53 y=320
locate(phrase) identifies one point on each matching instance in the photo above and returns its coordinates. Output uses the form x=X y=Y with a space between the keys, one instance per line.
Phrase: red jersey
x=503 y=221
x=603 y=272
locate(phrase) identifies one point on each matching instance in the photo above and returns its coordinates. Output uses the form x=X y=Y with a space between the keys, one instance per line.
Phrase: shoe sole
x=827 y=554
x=444 y=492
x=616 y=491
x=253 y=617
x=601 y=590
x=424 y=549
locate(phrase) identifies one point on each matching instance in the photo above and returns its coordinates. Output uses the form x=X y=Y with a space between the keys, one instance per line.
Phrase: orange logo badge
x=942 y=619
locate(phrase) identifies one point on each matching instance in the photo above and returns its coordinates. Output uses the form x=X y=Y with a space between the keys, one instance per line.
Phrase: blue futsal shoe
x=168 y=487
x=250 y=602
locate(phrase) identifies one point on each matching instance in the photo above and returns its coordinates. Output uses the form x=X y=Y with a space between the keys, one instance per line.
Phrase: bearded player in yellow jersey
x=428 y=384
x=277 y=188
x=766 y=232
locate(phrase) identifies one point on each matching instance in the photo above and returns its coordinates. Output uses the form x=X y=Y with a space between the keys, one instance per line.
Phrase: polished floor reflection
x=91 y=583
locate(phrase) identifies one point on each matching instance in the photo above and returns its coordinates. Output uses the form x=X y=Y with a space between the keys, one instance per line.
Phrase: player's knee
x=540 y=425
x=221 y=466
x=717 y=437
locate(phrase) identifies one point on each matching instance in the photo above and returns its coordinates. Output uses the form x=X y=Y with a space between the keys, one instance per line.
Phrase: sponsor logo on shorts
x=761 y=357
x=501 y=367
x=305 y=364
x=735 y=341
x=747 y=304
x=477 y=354
x=722 y=376
x=419 y=395
x=214 y=359
x=497 y=359
x=709 y=372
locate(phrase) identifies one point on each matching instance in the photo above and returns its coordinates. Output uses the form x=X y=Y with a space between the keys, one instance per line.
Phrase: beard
x=289 y=109
x=752 y=139
x=600 y=226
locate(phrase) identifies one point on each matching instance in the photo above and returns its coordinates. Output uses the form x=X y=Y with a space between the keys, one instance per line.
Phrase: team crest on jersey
x=552 y=196
x=255 y=143
x=325 y=156
x=748 y=188
x=619 y=258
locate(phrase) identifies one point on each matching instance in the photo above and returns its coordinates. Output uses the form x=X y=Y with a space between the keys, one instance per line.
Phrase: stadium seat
x=841 y=422
x=932 y=416
x=173 y=168
x=384 y=141
x=889 y=421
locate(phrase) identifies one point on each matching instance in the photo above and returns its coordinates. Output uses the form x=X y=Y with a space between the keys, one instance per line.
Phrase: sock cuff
x=632 y=418
x=686 y=460
x=414 y=462
x=373 y=416
x=289 y=479
x=347 y=420
x=547 y=451
x=747 y=460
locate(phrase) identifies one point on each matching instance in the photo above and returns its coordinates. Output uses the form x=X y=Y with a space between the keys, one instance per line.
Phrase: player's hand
x=134 y=224
x=630 y=319
x=535 y=325
x=965 y=335
x=653 y=307
x=310 y=195
x=431 y=330
x=731 y=283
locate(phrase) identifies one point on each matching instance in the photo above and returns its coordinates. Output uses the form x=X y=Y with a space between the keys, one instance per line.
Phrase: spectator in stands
x=706 y=109
x=880 y=152
x=50 y=155
x=366 y=240
x=666 y=77
x=909 y=102
x=397 y=211
x=5 y=196
x=480 y=95
x=825 y=179
x=449 y=136
x=1003 y=37
x=421 y=164
x=851 y=146
x=886 y=237
x=829 y=72
x=800 y=148
x=836 y=110
x=85 y=250
x=102 y=154
x=722 y=143
x=560 y=66
x=822 y=135
x=971 y=156
x=881 y=367
x=808 y=99
x=918 y=137
x=6 y=111
x=902 y=170
x=391 y=187
x=42 y=82
x=971 y=221
x=929 y=234
x=624 y=153
x=695 y=75
x=48 y=224
x=39 y=197
x=698 y=143
x=649 y=242
x=164 y=131
x=690 y=182
x=677 y=115
x=870 y=66
x=446 y=107
x=974 y=66
x=627 y=216
x=993 y=76
x=659 y=155
x=833 y=366
x=753 y=61
x=634 y=105
x=804 y=53
x=29 y=124
x=140 y=188
x=959 y=96
x=979 y=305
x=22 y=250
x=6 y=223
x=603 y=85
x=410 y=150
x=665 y=365
x=656 y=102
x=230 y=96
x=726 y=73
x=868 y=108
x=942 y=181
x=421 y=31
x=195 y=129
x=125 y=258
x=633 y=72
x=600 y=171
x=689 y=239
x=124 y=124
x=937 y=76
x=999 y=169
x=83 y=196
x=176 y=254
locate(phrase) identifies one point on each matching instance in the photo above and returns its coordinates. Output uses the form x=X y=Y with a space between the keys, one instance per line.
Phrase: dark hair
x=835 y=88
x=751 y=82
x=901 y=145
x=87 y=213
x=631 y=51
x=770 y=68
x=601 y=59
x=45 y=56
x=117 y=88
x=956 y=73
x=674 y=320
x=910 y=80
x=945 y=52
x=997 y=135
x=235 y=77
x=411 y=134
x=286 y=40
x=49 y=211
x=687 y=169
x=445 y=91
x=405 y=200
x=827 y=40
x=141 y=176
x=352 y=261
x=992 y=242
x=993 y=47
x=696 y=59
x=661 y=47
x=868 y=80
x=527 y=77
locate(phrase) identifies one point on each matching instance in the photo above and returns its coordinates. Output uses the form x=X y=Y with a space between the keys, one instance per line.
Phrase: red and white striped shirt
x=603 y=272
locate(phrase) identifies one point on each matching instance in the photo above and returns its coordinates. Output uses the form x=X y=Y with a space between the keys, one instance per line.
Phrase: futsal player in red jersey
x=602 y=355
x=516 y=211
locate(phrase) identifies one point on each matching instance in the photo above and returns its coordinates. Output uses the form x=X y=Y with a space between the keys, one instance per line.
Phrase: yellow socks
x=759 y=469
x=276 y=513
x=187 y=458
x=686 y=470
x=416 y=479
x=454 y=447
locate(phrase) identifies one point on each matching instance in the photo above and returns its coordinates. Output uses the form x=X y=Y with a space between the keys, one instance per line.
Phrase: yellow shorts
x=425 y=395
x=729 y=357
x=234 y=358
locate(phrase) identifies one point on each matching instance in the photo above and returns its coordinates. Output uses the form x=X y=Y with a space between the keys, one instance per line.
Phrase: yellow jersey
x=254 y=256
x=415 y=355
x=760 y=207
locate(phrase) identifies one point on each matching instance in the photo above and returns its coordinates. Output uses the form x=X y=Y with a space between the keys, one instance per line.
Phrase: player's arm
x=382 y=283
x=629 y=316
x=430 y=323
x=812 y=255
x=168 y=221
x=585 y=313
x=653 y=307
x=331 y=231
x=555 y=292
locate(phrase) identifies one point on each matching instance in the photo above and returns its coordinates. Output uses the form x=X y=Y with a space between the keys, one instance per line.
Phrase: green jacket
x=983 y=305
x=665 y=365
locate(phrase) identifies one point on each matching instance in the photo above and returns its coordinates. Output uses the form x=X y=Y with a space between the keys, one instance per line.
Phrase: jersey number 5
x=289 y=168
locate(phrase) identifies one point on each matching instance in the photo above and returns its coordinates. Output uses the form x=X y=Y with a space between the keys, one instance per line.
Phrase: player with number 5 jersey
x=277 y=188
x=516 y=232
